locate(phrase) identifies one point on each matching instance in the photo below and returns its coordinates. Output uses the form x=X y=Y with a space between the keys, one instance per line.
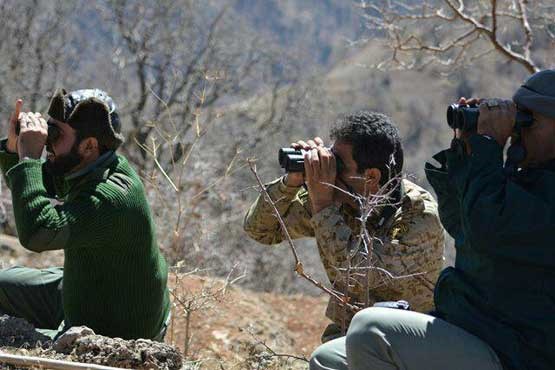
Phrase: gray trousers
x=390 y=339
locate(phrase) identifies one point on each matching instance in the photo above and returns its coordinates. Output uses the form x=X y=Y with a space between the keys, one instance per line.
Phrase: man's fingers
x=18 y=106
x=312 y=165
x=309 y=144
x=31 y=120
x=17 y=110
x=22 y=118
x=41 y=123
x=315 y=161
x=508 y=110
x=309 y=174
x=303 y=145
x=473 y=101
x=483 y=108
x=512 y=107
x=324 y=158
x=26 y=121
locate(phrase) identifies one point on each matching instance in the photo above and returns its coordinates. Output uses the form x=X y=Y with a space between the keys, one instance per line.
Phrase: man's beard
x=61 y=165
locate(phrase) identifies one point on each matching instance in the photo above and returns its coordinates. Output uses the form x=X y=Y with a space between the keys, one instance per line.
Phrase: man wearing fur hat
x=114 y=276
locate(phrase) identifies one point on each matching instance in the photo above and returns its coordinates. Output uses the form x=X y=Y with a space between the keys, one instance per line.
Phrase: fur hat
x=91 y=112
x=538 y=93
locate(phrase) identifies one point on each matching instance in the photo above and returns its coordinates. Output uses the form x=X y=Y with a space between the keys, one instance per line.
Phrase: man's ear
x=373 y=177
x=89 y=147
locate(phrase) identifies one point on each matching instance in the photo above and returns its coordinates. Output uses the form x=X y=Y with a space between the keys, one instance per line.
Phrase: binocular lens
x=53 y=133
x=293 y=160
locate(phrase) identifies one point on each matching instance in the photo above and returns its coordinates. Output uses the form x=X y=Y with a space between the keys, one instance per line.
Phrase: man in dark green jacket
x=495 y=308
x=114 y=276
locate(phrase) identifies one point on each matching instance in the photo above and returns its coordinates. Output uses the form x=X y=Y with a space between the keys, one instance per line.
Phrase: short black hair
x=375 y=140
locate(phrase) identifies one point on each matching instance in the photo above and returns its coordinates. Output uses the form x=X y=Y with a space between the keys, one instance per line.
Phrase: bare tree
x=33 y=50
x=198 y=87
x=456 y=33
x=179 y=57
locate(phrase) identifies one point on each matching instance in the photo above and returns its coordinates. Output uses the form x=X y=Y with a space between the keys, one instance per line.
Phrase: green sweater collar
x=70 y=182
x=102 y=161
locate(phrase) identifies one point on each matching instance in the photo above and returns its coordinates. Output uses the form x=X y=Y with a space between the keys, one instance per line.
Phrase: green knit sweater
x=114 y=274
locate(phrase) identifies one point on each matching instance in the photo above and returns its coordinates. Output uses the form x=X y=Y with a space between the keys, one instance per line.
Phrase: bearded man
x=114 y=276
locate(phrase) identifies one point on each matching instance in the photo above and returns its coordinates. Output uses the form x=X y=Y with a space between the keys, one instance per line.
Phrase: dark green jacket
x=502 y=288
x=114 y=274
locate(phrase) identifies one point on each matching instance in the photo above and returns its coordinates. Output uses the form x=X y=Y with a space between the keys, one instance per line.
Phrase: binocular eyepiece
x=465 y=117
x=292 y=160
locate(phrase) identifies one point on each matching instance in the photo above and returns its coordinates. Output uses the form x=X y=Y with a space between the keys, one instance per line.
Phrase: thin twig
x=299 y=269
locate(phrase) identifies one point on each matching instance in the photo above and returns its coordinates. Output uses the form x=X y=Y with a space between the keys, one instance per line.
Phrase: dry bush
x=188 y=302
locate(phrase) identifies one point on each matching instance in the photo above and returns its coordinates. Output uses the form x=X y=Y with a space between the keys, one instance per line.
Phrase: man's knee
x=366 y=329
x=318 y=359
x=9 y=277
x=330 y=355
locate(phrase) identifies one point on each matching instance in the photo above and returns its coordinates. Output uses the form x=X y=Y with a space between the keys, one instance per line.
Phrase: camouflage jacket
x=410 y=242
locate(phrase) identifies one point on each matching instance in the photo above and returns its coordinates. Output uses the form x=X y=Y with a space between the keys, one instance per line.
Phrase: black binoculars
x=292 y=160
x=465 y=117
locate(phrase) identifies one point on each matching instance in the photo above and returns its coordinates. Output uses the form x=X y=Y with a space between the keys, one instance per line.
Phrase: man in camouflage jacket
x=408 y=238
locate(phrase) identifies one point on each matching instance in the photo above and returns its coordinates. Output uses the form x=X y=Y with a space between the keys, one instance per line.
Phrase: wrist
x=292 y=181
x=29 y=155
x=319 y=205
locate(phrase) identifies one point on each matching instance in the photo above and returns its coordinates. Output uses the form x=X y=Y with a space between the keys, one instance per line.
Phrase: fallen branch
x=43 y=363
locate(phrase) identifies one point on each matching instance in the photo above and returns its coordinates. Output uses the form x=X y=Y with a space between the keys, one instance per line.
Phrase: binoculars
x=465 y=117
x=292 y=160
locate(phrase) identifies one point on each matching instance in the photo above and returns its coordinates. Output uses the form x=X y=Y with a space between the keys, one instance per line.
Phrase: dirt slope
x=231 y=329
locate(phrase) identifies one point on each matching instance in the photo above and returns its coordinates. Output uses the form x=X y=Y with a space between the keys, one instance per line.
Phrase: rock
x=117 y=352
x=64 y=344
x=82 y=345
x=16 y=332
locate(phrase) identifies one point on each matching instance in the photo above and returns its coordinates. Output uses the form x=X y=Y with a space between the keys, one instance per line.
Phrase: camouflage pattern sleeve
x=333 y=236
x=293 y=205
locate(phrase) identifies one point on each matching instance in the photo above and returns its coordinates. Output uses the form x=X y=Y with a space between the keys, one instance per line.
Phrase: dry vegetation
x=204 y=85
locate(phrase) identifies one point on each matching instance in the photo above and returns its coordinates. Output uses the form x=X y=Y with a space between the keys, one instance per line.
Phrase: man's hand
x=11 y=144
x=296 y=179
x=32 y=135
x=320 y=170
x=497 y=119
